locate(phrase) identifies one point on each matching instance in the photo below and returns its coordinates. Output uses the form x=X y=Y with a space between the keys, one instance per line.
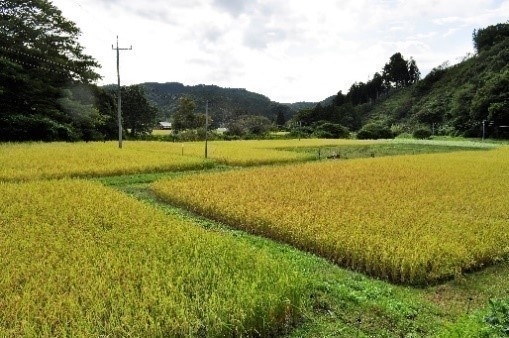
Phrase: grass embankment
x=389 y=148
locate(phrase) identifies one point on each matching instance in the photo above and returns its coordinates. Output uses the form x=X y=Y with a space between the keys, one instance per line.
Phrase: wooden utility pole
x=206 y=126
x=119 y=104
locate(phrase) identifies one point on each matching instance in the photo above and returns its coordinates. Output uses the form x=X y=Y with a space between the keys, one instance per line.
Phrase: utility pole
x=206 y=126
x=119 y=104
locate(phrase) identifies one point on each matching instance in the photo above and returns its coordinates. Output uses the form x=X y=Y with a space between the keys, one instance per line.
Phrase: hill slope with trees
x=468 y=99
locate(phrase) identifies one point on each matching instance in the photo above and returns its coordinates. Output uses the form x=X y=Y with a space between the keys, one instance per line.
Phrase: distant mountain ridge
x=223 y=102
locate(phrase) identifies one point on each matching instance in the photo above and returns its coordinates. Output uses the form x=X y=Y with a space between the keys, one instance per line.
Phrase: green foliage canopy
x=139 y=116
x=485 y=38
x=185 y=117
x=40 y=60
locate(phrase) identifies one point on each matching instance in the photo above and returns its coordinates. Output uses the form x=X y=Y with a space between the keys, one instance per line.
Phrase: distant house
x=164 y=125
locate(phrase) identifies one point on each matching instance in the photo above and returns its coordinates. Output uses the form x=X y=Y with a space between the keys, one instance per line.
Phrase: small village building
x=164 y=125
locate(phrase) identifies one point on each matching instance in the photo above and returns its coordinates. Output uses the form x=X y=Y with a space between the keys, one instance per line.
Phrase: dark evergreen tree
x=138 y=115
x=280 y=113
x=414 y=74
x=396 y=72
x=106 y=103
x=358 y=93
x=339 y=99
x=184 y=117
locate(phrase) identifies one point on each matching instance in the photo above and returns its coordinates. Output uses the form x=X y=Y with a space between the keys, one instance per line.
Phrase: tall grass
x=408 y=219
x=79 y=259
x=29 y=161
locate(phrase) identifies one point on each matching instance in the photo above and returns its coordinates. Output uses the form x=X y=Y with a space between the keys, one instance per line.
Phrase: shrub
x=422 y=133
x=497 y=319
x=374 y=131
x=330 y=130
x=404 y=136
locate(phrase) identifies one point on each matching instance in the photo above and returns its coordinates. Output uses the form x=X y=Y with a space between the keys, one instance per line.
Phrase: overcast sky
x=287 y=50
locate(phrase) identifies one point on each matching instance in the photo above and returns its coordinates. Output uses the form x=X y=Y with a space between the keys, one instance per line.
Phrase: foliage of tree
x=423 y=86
x=422 y=133
x=324 y=129
x=348 y=110
x=40 y=62
x=400 y=73
x=485 y=38
x=185 y=117
x=249 y=125
x=280 y=113
x=280 y=119
x=451 y=100
x=106 y=104
x=138 y=115
x=432 y=112
x=84 y=117
x=226 y=103
x=374 y=131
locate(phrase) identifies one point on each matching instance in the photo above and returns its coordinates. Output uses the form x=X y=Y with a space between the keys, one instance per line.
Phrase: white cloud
x=287 y=50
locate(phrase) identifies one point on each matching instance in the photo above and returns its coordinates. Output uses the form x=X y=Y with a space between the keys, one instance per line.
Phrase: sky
x=287 y=50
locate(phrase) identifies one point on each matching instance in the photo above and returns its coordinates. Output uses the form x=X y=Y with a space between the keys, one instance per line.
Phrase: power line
x=24 y=63
x=67 y=67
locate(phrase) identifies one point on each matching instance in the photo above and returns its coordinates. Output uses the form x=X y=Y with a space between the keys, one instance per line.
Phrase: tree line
x=348 y=110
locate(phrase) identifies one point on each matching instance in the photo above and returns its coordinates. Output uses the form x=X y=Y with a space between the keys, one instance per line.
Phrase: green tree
x=433 y=111
x=106 y=104
x=40 y=57
x=324 y=129
x=86 y=120
x=138 y=115
x=358 y=93
x=249 y=125
x=486 y=37
x=374 y=131
x=184 y=117
x=495 y=95
x=397 y=72
x=280 y=119
x=375 y=87
x=414 y=73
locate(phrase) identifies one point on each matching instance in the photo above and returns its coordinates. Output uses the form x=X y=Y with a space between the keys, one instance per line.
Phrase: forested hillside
x=451 y=100
x=457 y=99
x=225 y=104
